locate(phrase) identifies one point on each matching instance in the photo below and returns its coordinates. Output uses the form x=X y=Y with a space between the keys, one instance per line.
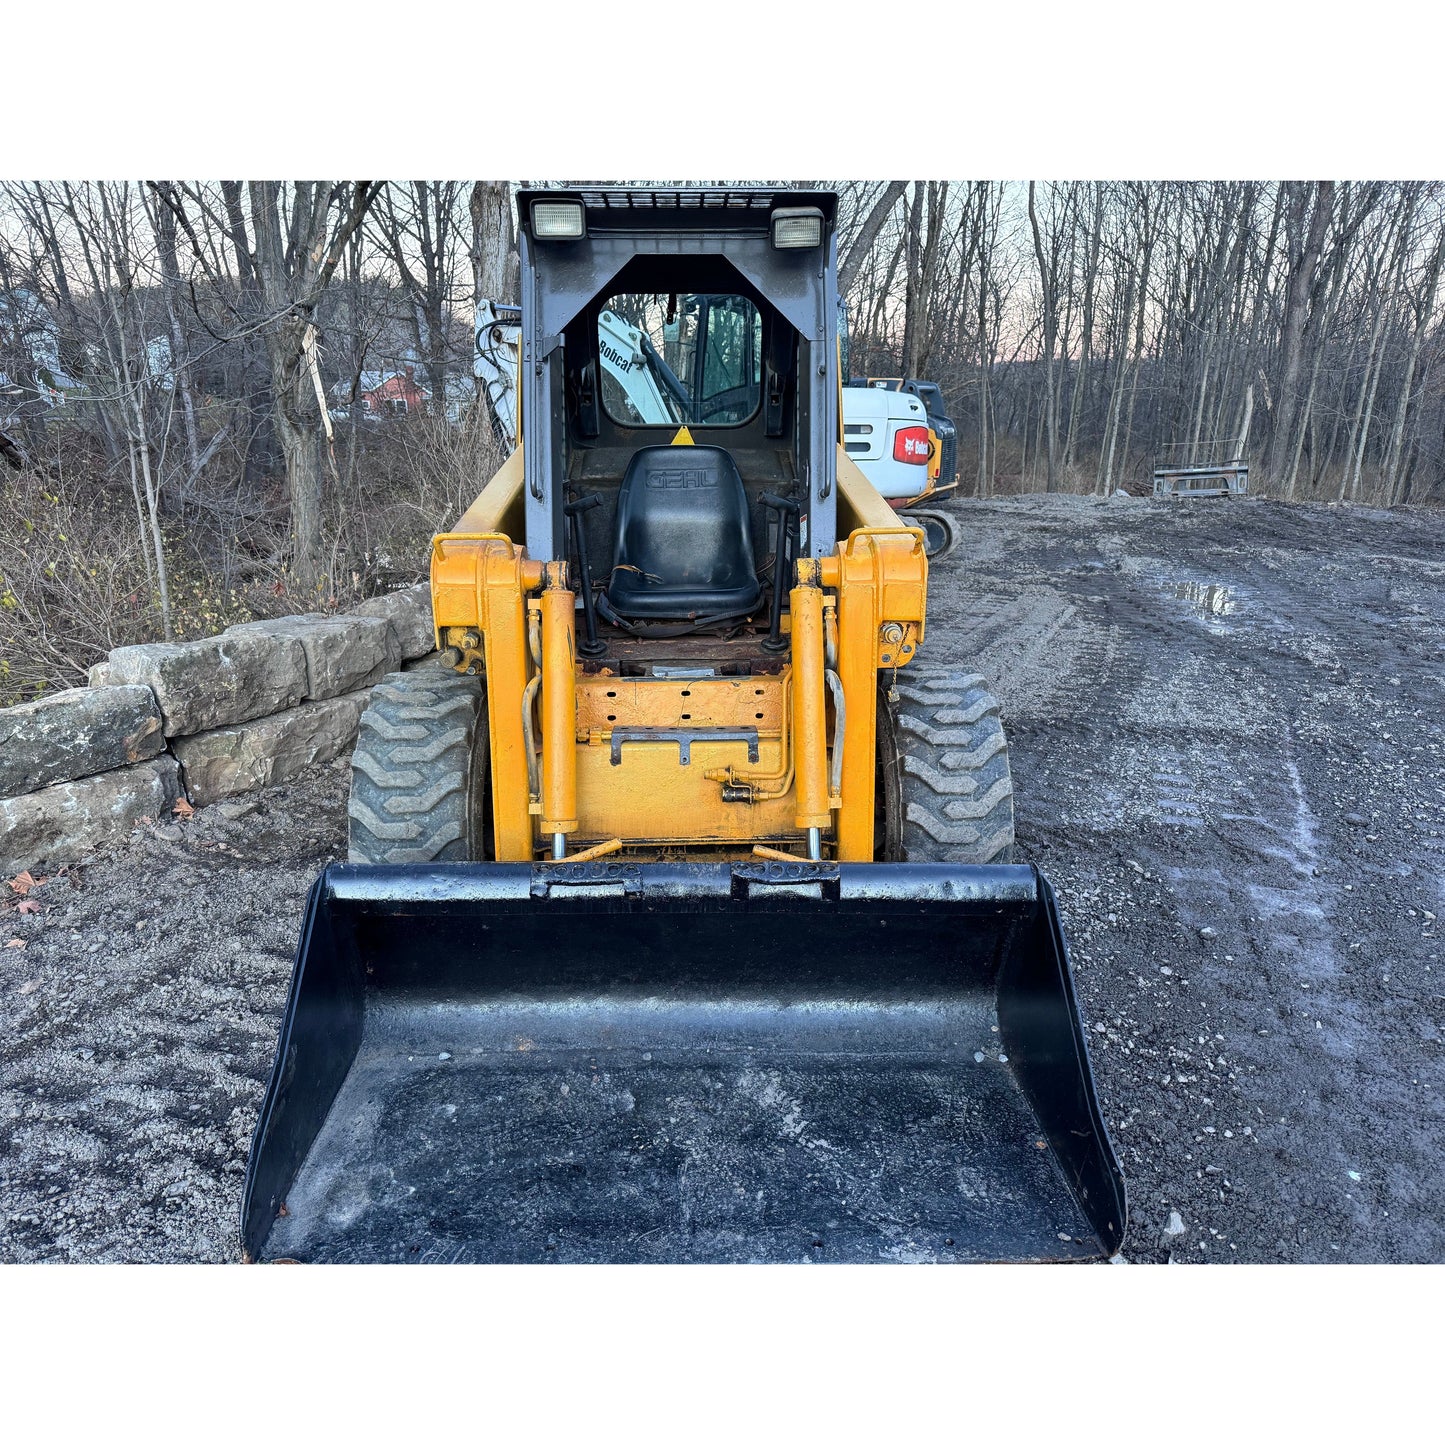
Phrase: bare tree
x=1048 y=257
x=174 y=343
x=1307 y=216
x=419 y=226
x=860 y=247
x=1421 y=299
x=495 y=274
x=299 y=233
x=103 y=218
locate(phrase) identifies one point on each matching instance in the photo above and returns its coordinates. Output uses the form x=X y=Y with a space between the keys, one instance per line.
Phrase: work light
x=558 y=220
x=797 y=228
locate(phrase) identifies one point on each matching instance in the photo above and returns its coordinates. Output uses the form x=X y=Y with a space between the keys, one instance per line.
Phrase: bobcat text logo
x=681 y=480
x=618 y=360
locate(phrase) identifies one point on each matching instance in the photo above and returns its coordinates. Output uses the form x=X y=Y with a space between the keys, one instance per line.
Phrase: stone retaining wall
x=201 y=720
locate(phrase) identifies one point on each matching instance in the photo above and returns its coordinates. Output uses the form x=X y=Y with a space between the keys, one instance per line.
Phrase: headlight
x=558 y=220
x=797 y=228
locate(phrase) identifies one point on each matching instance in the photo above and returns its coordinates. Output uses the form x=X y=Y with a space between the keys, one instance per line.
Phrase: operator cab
x=687 y=397
x=667 y=428
x=682 y=532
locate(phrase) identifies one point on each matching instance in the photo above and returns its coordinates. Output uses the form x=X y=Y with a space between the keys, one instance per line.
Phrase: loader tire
x=419 y=772
x=946 y=795
x=939 y=537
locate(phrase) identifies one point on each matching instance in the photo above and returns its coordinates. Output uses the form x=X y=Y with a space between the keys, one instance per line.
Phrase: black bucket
x=681 y=1062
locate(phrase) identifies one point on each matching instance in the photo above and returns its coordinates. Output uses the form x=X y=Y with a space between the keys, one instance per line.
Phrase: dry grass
x=74 y=581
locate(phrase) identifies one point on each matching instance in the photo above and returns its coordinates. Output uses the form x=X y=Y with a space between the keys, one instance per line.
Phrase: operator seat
x=684 y=546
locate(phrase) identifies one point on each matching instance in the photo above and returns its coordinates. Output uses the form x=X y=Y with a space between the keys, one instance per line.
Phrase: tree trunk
x=495 y=265
x=926 y=325
x=301 y=443
x=1242 y=446
x=1048 y=282
x=1363 y=439
x=1091 y=271
x=1425 y=309
x=294 y=271
x=164 y=221
x=1307 y=237
x=913 y=300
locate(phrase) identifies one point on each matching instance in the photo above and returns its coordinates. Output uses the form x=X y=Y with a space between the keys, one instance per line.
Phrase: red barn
x=391 y=393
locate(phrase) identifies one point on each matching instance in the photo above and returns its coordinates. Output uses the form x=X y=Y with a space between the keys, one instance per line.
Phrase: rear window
x=672 y=360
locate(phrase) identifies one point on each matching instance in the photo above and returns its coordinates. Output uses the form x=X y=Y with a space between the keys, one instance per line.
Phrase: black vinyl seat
x=684 y=546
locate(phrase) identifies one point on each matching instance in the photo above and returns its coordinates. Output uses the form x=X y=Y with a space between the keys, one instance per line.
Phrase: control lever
x=590 y=646
x=785 y=553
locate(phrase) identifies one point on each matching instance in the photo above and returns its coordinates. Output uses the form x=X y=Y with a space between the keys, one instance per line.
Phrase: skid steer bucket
x=681 y=1062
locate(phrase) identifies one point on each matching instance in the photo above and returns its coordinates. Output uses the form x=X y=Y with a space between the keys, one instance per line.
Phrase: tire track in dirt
x=1242 y=769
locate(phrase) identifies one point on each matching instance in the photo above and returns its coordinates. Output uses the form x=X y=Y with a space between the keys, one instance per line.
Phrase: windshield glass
x=670 y=360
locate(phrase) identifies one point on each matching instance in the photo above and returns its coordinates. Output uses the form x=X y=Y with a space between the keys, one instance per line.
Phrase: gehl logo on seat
x=681 y=479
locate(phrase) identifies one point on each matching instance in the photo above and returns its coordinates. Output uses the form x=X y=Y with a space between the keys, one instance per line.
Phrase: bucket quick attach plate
x=705 y=1063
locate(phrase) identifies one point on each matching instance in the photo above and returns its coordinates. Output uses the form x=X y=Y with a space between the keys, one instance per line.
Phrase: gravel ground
x=1227 y=723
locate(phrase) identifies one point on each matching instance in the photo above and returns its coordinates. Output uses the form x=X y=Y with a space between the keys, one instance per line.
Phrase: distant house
x=32 y=378
x=384 y=393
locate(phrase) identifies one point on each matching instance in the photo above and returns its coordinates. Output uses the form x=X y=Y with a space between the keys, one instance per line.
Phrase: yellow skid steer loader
x=682 y=921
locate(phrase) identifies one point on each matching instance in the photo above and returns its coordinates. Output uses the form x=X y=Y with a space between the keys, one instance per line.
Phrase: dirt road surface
x=1228 y=735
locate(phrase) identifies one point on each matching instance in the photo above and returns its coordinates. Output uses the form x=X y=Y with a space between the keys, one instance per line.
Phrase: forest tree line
x=1085 y=331
x=181 y=364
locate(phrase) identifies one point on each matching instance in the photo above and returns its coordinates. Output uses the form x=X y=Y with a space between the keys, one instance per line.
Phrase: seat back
x=684 y=547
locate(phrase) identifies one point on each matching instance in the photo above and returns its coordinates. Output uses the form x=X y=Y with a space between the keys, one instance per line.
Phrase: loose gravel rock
x=140 y=1022
x=1196 y=693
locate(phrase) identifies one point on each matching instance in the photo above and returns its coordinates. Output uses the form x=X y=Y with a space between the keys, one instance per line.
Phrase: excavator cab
x=682 y=920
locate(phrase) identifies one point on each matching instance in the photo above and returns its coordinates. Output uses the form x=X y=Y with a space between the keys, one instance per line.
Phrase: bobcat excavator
x=682 y=921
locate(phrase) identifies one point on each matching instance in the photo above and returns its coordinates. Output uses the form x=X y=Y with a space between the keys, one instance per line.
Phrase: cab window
x=676 y=359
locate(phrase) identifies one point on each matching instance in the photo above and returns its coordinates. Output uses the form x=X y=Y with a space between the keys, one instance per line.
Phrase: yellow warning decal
x=683 y=438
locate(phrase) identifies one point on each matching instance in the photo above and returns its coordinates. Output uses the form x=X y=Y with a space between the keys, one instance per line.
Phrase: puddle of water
x=1209 y=599
x=1221 y=607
